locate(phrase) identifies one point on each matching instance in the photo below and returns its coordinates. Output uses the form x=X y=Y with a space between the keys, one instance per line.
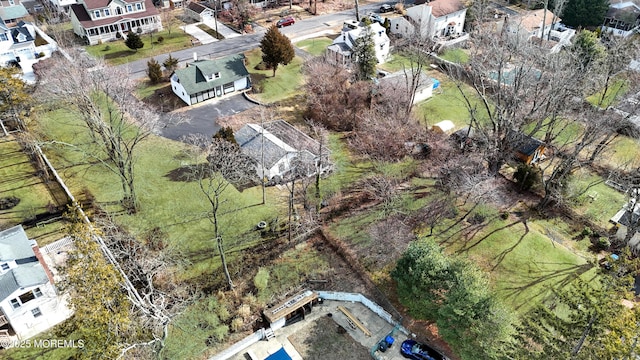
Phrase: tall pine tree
x=276 y=49
x=364 y=53
x=133 y=41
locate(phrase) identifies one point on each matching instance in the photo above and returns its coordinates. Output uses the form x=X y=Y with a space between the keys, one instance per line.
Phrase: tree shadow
x=466 y=248
x=119 y=54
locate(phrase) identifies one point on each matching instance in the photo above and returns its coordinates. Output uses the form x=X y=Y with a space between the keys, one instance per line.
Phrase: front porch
x=110 y=32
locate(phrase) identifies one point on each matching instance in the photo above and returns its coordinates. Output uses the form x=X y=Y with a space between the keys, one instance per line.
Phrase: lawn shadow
x=119 y=54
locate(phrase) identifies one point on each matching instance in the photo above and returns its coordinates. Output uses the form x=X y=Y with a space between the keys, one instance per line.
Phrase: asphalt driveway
x=201 y=118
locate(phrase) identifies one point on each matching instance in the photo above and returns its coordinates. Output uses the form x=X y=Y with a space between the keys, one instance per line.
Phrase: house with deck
x=622 y=19
x=207 y=79
x=29 y=302
x=12 y=12
x=341 y=50
x=105 y=20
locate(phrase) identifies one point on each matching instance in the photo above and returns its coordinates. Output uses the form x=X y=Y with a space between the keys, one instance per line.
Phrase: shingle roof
x=441 y=8
x=14 y=244
x=198 y=8
x=15 y=32
x=628 y=14
x=13 y=12
x=533 y=19
x=193 y=77
x=23 y=276
x=85 y=20
x=99 y=4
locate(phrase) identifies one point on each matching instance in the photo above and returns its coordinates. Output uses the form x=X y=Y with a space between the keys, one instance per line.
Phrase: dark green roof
x=193 y=77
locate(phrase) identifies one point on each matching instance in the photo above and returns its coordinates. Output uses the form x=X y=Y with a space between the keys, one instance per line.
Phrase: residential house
x=396 y=85
x=12 y=11
x=63 y=6
x=628 y=218
x=29 y=303
x=103 y=20
x=539 y=26
x=341 y=50
x=622 y=19
x=277 y=146
x=24 y=45
x=199 y=12
x=437 y=19
x=206 y=79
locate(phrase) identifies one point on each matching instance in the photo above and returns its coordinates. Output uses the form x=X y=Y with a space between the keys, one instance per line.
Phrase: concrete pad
x=223 y=30
x=196 y=32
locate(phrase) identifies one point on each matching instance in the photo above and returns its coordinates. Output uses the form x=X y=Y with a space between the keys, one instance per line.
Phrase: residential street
x=301 y=29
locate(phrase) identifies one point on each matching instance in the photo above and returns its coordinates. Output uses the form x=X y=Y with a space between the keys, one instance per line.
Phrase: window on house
x=5 y=266
x=397 y=26
x=138 y=6
x=129 y=8
x=96 y=14
x=36 y=312
x=216 y=75
x=15 y=303
x=381 y=46
x=107 y=12
x=118 y=11
x=4 y=37
x=12 y=2
x=37 y=293
x=28 y=296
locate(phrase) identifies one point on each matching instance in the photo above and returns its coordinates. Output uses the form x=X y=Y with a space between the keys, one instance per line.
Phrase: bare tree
x=116 y=121
x=225 y=166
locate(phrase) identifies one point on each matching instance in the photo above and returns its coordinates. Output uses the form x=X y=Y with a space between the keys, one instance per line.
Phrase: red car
x=289 y=20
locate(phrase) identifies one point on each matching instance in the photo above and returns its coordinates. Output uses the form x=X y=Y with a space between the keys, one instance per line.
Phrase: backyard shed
x=443 y=127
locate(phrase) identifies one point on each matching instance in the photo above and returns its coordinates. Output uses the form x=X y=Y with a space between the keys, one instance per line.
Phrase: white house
x=24 y=45
x=29 y=303
x=103 y=20
x=206 y=79
x=199 y=12
x=341 y=50
x=276 y=145
x=436 y=19
x=622 y=19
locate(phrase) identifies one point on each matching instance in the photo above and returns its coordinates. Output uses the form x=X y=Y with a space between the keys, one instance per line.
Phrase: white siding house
x=18 y=46
x=622 y=19
x=103 y=20
x=29 y=303
x=341 y=50
x=207 y=79
x=436 y=19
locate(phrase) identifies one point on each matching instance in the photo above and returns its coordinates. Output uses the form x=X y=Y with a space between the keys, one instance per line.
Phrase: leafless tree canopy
x=102 y=99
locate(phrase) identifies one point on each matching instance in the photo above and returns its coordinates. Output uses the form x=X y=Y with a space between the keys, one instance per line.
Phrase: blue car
x=411 y=349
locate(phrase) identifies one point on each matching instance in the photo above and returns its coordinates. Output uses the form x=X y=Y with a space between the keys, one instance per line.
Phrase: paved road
x=301 y=29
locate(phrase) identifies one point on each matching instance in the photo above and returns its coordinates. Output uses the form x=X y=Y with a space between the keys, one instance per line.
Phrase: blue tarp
x=279 y=355
x=436 y=83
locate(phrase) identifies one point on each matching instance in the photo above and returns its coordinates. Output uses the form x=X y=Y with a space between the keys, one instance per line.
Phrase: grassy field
x=18 y=178
x=117 y=53
x=600 y=202
x=616 y=91
x=176 y=207
x=315 y=46
x=397 y=62
x=286 y=83
x=455 y=55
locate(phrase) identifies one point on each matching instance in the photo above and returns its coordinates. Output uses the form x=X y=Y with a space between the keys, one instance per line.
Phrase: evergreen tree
x=170 y=64
x=226 y=133
x=588 y=48
x=133 y=41
x=585 y=13
x=154 y=71
x=364 y=53
x=276 y=49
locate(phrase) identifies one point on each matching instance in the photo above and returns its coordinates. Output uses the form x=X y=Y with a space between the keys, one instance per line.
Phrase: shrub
x=154 y=71
x=236 y=324
x=160 y=39
x=586 y=231
x=504 y=215
x=107 y=48
x=603 y=243
x=527 y=176
x=262 y=66
x=261 y=280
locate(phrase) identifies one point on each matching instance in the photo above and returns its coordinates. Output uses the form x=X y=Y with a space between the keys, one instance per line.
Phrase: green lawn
x=315 y=46
x=455 y=55
x=522 y=260
x=286 y=83
x=397 y=62
x=145 y=89
x=18 y=178
x=447 y=103
x=600 y=202
x=616 y=91
x=177 y=207
x=347 y=169
x=623 y=153
x=116 y=52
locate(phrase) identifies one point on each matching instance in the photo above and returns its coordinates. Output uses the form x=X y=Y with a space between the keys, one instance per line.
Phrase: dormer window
x=107 y=12
x=96 y=14
x=15 y=303
x=118 y=10
x=138 y=6
x=213 y=76
x=129 y=8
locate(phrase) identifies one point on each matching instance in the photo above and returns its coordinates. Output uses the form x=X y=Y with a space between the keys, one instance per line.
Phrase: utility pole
x=357 y=11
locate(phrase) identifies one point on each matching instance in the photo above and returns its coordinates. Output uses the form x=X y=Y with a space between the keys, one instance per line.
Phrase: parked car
x=385 y=8
x=286 y=21
x=376 y=18
x=411 y=349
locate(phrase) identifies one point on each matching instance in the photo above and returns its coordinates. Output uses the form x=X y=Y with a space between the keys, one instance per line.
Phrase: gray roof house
x=199 y=12
x=282 y=145
x=206 y=79
x=29 y=303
